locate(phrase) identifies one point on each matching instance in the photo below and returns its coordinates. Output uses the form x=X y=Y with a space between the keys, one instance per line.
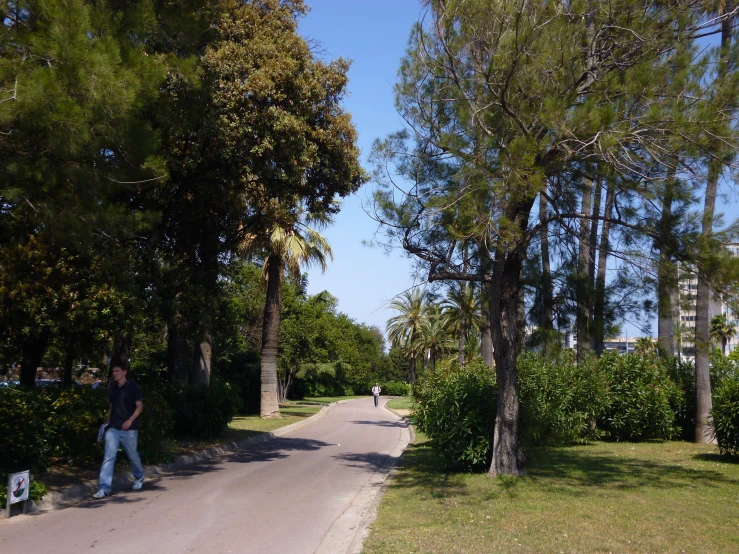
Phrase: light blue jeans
x=113 y=439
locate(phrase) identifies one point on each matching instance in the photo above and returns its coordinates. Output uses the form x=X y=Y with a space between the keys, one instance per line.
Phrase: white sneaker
x=137 y=484
x=101 y=494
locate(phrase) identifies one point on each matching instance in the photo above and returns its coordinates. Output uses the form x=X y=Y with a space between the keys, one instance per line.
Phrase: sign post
x=19 y=485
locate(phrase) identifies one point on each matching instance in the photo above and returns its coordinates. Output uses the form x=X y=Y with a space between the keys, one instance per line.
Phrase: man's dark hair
x=119 y=363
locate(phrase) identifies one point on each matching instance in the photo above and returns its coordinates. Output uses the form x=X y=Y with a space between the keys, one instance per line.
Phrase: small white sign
x=18 y=486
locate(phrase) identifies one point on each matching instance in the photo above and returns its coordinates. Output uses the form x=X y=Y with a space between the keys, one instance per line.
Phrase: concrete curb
x=348 y=533
x=67 y=497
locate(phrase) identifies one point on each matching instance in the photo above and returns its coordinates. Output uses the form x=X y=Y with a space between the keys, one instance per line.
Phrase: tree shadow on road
x=275 y=449
x=373 y=461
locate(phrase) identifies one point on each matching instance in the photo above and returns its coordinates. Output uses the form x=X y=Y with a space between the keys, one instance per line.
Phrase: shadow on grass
x=568 y=470
x=717 y=458
x=580 y=467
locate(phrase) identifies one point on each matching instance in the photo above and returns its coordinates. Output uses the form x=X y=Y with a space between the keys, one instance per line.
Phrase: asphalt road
x=303 y=492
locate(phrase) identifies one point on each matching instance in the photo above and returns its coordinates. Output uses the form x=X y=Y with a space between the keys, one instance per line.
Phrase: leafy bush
x=23 y=435
x=560 y=401
x=639 y=398
x=204 y=411
x=456 y=409
x=683 y=401
x=396 y=388
x=156 y=426
x=725 y=415
x=74 y=419
x=321 y=380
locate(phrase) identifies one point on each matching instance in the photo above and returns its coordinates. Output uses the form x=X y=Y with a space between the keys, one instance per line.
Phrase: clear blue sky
x=374 y=36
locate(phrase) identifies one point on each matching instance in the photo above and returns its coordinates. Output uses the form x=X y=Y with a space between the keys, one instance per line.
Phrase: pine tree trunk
x=547 y=318
x=599 y=323
x=32 y=352
x=506 y=309
x=703 y=400
x=269 y=406
x=666 y=273
x=582 y=316
x=593 y=244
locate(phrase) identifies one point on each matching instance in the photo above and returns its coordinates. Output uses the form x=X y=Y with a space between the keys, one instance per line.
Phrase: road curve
x=299 y=493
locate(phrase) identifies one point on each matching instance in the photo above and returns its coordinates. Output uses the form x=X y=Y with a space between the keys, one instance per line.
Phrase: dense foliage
x=562 y=402
x=725 y=415
x=456 y=409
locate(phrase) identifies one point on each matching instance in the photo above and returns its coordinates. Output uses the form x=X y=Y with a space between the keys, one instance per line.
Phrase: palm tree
x=404 y=328
x=680 y=331
x=462 y=316
x=722 y=330
x=288 y=244
x=432 y=339
x=644 y=346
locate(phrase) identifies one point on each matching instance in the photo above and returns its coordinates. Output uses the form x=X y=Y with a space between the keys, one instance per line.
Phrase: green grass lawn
x=606 y=497
x=403 y=403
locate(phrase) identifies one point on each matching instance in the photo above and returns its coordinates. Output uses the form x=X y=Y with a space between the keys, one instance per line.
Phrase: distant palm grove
x=169 y=167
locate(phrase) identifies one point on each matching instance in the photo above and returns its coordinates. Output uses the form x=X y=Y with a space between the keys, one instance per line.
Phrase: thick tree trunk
x=412 y=370
x=599 y=303
x=203 y=357
x=486 y=340
x=703 y=400
x=269 y=406
x=547 y=295
x=666 y=273
x=507 y=321
x=178 y=349
x=593 y=244
x=582 y=316
x=32 y=352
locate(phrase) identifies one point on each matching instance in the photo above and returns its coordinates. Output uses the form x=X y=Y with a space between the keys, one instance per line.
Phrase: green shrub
x=683 y=401
x=639 y=398
x=725 y=415
x=156 y=426
x=560 y=401
x=456 y=409
x=24 y=440
x=396 y=388
x=74 y=418
x=203 y=411
x=315 y=380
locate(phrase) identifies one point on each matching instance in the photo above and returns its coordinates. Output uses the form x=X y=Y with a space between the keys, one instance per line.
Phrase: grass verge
x=606 y=497
x=402 y=403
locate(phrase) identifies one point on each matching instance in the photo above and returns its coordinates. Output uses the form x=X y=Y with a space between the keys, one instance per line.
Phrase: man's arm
x=136 y=413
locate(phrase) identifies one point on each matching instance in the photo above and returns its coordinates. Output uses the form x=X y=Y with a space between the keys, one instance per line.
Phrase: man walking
x=376 y=393
x=125 y=404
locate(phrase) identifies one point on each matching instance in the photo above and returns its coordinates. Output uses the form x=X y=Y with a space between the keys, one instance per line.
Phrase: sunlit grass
x=403 y=403
x=606 y=497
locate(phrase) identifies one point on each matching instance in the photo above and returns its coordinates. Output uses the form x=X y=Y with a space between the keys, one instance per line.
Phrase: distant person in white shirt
x=376 y=393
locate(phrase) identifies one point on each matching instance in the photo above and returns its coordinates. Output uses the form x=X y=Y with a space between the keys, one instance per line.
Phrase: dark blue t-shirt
x=123 y=402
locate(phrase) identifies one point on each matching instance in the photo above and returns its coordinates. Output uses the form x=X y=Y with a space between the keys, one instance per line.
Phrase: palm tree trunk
x=593 y=244
x=269 y=406
x=547 y=318
x=582 y=317
x=666 y=274
x=703 y=401
x=599 y=308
